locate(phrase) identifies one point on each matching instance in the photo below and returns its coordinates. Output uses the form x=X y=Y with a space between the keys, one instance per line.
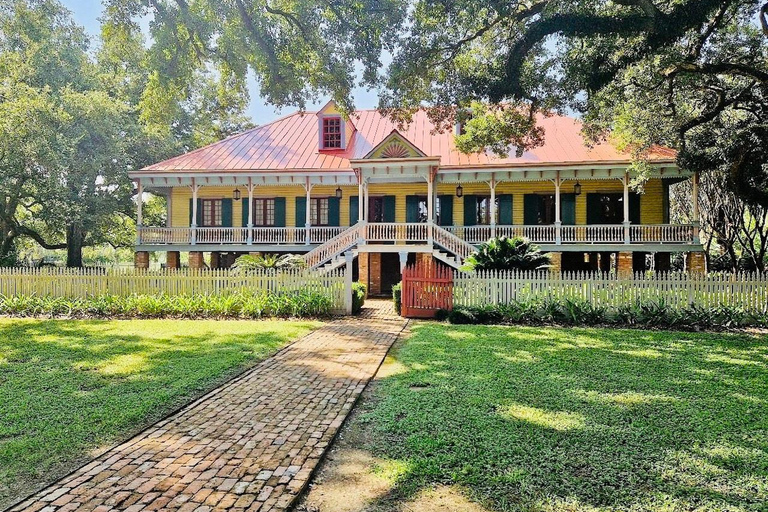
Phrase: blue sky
x=87 y=12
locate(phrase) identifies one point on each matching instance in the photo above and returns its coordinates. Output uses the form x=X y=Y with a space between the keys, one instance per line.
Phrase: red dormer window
x=332 y=136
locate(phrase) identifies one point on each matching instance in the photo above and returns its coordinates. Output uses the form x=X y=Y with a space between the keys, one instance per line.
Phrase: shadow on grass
x=577 y=419
x=68 y=388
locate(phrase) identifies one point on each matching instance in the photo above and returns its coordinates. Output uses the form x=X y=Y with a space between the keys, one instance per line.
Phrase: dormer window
x=332 y=136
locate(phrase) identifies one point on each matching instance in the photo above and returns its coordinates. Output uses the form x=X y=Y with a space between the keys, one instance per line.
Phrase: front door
x=381 y=209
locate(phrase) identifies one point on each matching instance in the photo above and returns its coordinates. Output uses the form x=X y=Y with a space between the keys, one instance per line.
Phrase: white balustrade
x=278 y=236
x=662 y=233
x=397 y=232
x=158 y=236
x=208 y=235
x=321 y=234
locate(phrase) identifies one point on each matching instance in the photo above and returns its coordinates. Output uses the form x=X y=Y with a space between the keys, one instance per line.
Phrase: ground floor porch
x=380 y=267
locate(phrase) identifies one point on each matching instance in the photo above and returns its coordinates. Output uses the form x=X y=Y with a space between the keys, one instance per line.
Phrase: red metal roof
x=291 y=143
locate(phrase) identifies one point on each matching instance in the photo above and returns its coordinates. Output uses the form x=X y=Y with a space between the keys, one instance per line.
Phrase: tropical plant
x=248 y=263
x=359 y=290
x=504 y=253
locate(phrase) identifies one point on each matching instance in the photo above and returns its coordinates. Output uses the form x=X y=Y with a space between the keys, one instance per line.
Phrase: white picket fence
x=749 y=291
x=73 y=283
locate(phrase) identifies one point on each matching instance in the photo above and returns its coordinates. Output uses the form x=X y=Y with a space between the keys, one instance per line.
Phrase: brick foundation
x=695 y=263
x=196 y=260
x=173 y=259
x=374 y=273
x=141 y=259
x=624 y=264
x=556 y=263
x=362 y=270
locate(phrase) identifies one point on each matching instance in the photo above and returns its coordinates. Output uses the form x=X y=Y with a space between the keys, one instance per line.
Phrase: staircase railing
x=333 y=247
x=452 y=243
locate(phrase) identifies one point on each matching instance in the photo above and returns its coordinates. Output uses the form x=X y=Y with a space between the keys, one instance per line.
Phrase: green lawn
x=530 y=419
x=70 y=387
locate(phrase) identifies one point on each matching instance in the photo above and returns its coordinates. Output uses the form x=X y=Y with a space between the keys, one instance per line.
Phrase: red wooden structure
x=427 y=288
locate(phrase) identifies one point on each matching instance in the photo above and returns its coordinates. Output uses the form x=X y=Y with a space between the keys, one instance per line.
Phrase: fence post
x=348 y=256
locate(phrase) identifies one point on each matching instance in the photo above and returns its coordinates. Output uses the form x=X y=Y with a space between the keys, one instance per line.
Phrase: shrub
x=236 y=305
x=567 y=311
x=504 y=253
x=358 y=297
x=397 y=297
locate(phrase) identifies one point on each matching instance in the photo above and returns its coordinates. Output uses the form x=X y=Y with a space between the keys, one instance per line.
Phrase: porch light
x=577 y=189
x=338 y=192
x=236 y=194
x=459 y=191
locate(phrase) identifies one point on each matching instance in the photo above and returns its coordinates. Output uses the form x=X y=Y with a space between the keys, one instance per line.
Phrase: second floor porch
x=301 y=239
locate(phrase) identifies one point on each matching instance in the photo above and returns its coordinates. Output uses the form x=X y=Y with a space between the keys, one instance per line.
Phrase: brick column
x=374 y=273
x=215 y=260
x=556 y=263
x=141 y=259
x=173 y=259
x=624 y=264
x=196 y=260
x=362 y=270
x=695 y=263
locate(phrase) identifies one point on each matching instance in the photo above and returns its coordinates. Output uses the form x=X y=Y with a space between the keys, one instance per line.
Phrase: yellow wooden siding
x=651 y=202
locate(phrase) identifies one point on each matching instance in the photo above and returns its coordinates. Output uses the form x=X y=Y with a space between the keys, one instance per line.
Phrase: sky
x=86 y=13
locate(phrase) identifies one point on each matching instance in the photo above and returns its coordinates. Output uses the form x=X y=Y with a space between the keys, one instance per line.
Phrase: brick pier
x=250 y=445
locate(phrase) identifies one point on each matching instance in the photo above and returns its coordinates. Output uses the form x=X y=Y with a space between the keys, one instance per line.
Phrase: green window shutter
x=531 y=205
x=568 y=209
x=505 y=209
x=246 y=207
x=301 y=212
x=446 y=210
x=280 y=212
x=411 y=208
x=389 y=208
x=226 y=213
x=354 y=206
x=470 y=210
x=593 y=208
x=333 y=211
x=634 y=208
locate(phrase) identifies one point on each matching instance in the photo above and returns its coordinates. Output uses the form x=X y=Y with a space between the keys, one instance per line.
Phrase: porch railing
x=411 y=232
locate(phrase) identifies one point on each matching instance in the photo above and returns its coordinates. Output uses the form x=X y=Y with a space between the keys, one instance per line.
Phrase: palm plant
x=504 y=253
x=268 y=262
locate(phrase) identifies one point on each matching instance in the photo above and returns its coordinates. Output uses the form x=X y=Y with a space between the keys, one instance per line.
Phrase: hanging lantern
x=338 y=192
x=236 y=194
x=577 y=189
x=459 y=191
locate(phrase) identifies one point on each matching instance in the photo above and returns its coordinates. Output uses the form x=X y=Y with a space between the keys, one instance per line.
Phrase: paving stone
x=251 y=444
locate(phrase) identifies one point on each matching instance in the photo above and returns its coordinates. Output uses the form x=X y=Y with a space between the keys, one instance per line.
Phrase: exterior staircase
x=447 y=248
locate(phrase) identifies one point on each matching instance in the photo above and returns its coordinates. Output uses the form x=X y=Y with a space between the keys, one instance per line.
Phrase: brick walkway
x=251 y=444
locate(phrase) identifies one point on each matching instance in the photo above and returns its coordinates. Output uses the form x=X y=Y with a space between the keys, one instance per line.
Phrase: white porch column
x=430 y=207
x=558 y=218
x=308 y=217
x=626 y=207
x=492 y=206
x=360 y=201
x=366 y=206
x=250 y=211
x=193 y=224
x=139 y=212
x=696 y=214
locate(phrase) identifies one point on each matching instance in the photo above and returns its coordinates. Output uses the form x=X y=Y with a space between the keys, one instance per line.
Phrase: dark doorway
x=390 y=271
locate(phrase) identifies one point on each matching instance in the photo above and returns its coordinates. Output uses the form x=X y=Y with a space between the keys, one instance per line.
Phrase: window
x=484 y=210
x=212 y=212
x=332 y=133
x=263 y=212
x=318 y=213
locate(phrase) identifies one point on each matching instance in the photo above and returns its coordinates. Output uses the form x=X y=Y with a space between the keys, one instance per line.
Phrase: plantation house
x=335 y=189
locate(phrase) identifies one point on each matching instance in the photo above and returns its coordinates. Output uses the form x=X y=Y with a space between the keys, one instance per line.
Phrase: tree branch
x=34 y=235
x=764 y=18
